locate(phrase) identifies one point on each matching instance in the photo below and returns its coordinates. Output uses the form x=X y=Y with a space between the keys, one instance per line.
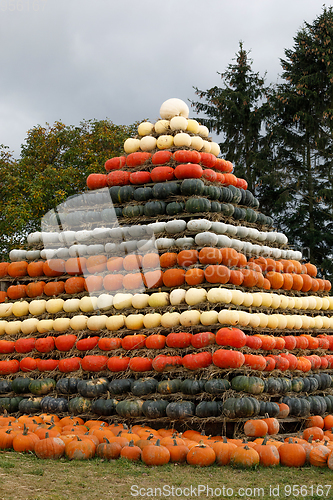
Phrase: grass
x=119 y=479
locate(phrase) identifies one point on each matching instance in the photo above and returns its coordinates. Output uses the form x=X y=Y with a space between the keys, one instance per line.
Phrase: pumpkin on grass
x=268 y=453
x=80 y=449
x=50 y=447
x=244 y=457
x=292 y=454
x=201 y=455
x=155 y=454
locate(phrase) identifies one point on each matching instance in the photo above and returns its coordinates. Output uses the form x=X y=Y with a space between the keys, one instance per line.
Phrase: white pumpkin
x=254 y=320
x=148 y=143
x=104 y=301
x=3 y=324
x=162 y=127
x=97 y=322
x=29 y=326
x=178 y=123
x=145 y=128
x=53 y=306
x=152 y=320
x=215 y=148
x=237 y=297
x=177 y=296
x=272 y=321
x=13 y=327
x=20 y=308
x=206 y=146
x=182 y=140
x=6 y=309
x=170 y=319
x=174 y=107
x=263 y=319
x=131 y=145
x=88 y=304
x=175 y=226
x=37 y=307
x=228 y=317
x=61 y=324
x=217 y=295
x=209 y=318
x=122 y=300
x=189 y=318
x=247 y=299
x=78 y=322
x=158 y=299
x=45 y=325
x=257 y=299
x=140 y=300
x=206 y=239
x=115 y=322
x=203 y=131
x=196 y=142
x=71 y=305
x=134 y=321
x=199 y=225
x=164 y=142
x=192 y=126
x=195 y=296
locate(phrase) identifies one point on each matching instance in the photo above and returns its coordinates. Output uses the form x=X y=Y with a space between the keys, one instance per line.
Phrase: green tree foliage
x=55 y=162
x=238 y=111
x=302 y=133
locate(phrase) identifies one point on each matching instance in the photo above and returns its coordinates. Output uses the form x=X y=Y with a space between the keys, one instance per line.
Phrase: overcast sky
x=71 y=60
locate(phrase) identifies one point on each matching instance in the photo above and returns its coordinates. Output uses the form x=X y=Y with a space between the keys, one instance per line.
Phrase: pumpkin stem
x=265 y=439
x=47 y=435
x=310 y=439
x=202 y=444
x=174 y=442
x=131 y=443
x=246 y=447
x=150 y=437
x=158 y=443
x=225 y=440
x=290 y=440
x=106 y=440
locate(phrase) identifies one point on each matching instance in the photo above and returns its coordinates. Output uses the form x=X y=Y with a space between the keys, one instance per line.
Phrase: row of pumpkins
x=165 y=271
x=49 y=437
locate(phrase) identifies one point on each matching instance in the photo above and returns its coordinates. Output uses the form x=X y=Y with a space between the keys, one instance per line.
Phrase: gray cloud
x=82 y=59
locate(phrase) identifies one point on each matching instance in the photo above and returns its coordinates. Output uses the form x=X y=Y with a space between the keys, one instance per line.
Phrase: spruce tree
x=238 y=111
x=302 y=133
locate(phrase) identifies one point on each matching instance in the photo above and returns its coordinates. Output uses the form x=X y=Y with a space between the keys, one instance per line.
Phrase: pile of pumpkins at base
x=50 y=437
x=163 y=295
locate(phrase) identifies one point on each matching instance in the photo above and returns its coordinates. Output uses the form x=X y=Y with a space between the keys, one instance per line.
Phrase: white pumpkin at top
x=20 y=308
x=178 y=123
x=29 y=326
x=162 y=126
x=148 y=143
x=115 y=322
x=37 y=307
x=134 y=321
x=96 y=322
x=177 y=296
x=78 y=322
x=122 y=300
x=140 y=300
x=88 y=304
x=189 y=318
x=174 y=107
x=71 y=305
x=145 y=128
x=182 y=139
x=209 y=318
x=131 y=145
x=195 y=296
x=158 y=299
x=61 y=324
x=45 y=325
x=170 y=319
x=54 y=306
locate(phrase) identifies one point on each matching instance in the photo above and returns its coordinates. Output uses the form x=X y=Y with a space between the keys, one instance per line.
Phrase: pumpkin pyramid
x=163 y=294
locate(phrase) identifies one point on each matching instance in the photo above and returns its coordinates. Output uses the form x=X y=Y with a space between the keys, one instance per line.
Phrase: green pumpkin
x=192 y=386
x=236 y=194
x=54 y=405
x=207 y=409
x=252 y=385
x=5 y=386
x=227 y=209
x=93 y=216
x=129 y=408
x=251 y=215
x=20 y=385
x=241 y=407
x=67 y=385
x=197 y=205
x=216 y=207
x=212 y=192
x=297 y=384
x=32 y=405
x=261 y=218
x=318 y=405
x=10 y=405
x=299 y=407
x=125 y=194
x=104 y=407
x=169 y=386
x=217 y=386
x=93 y=388
x=153 y=208
x=269 y=408
x=175 y=207
x=143 y=194
x=42 y=386
x=154 y=408
x=180 y=409
x=162 y=190
x=79 y=405
x=143 y=386
x=226 y=195
x=133 y=211
x=192 y=187
x=120 y=386
x=272 y=385
x=114 y=191
x=285 y=385
x=329 y=402
x=239 y=213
